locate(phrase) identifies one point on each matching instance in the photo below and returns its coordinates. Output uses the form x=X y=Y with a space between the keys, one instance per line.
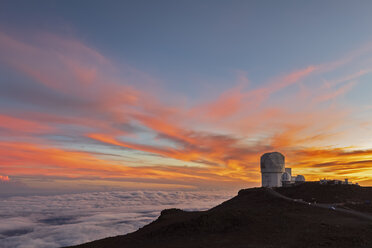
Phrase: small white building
x=274 y=173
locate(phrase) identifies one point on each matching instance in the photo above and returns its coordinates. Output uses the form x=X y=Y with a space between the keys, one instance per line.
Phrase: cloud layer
x=62 y=220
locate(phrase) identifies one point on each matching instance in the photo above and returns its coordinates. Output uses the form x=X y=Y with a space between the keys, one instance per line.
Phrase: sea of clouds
x=69 y=219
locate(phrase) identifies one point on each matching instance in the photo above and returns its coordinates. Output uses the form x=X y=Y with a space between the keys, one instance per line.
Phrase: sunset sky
x=182 y=94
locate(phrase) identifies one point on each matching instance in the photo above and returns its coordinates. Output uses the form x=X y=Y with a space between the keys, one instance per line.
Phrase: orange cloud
x=25 y=159
x=4 y=178
x=22 y=126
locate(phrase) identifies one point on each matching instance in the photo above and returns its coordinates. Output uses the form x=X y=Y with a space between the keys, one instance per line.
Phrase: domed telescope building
x=274 y=173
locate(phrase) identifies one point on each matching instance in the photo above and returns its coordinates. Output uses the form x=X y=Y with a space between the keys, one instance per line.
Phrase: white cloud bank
x=62 y=220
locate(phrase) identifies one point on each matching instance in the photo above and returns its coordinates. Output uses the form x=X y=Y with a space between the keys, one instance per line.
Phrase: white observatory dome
x=300 y=178
x=286 y=177
x=272 y=162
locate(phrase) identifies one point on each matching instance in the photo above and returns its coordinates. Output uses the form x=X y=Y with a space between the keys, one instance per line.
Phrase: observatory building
x=274 y=173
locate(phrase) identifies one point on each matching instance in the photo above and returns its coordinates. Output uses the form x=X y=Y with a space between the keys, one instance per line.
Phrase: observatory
x=274 y=173
x=272 y=169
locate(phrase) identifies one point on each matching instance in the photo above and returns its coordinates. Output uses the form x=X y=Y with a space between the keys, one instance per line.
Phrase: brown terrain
x=261 y=217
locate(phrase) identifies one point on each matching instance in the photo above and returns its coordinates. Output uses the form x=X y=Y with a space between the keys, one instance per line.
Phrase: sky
x=156 y=95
